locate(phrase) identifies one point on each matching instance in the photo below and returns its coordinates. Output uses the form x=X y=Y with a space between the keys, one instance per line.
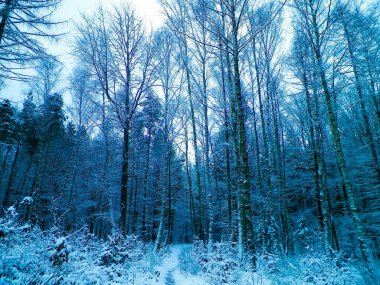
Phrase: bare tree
x=316 y=18
x=48 y=73
x=133 y=66
x=23 y=24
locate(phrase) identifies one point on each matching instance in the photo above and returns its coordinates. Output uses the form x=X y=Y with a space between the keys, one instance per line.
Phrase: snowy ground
x=169 y=271
x=33 y=257
x=174 y=271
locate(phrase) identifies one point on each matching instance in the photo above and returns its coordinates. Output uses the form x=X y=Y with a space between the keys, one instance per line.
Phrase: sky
x=71 y=11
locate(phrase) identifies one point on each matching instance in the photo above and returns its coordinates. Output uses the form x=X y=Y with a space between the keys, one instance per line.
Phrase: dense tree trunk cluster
x=208 y=128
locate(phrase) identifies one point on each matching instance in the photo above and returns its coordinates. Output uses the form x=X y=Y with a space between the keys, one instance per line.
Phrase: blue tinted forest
x=237 y=143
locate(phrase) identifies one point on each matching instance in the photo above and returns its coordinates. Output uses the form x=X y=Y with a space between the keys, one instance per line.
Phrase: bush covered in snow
x=30 y=256
x=222 y=266
x=121 y=250
x=313 y=268
x=218 y=264
x=60 y=254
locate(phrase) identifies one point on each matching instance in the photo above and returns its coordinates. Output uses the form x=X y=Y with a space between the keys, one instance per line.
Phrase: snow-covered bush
x=321 y=269
x=30 y=256
x=60 y=254
x=314 y=268
x=9 y=222
x=23 y=252
x=219 y=264
x=119 y=250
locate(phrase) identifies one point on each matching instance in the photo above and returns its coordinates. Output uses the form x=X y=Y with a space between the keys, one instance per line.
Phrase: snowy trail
x=170 y=264
x=170 y=273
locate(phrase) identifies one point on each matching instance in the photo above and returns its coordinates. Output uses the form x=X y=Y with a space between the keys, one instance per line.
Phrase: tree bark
x=4 y=17
x=144 y=202
x=124 y=181
x=359 y=231
x=244 y=172
x=9 y=191
x=367 y=129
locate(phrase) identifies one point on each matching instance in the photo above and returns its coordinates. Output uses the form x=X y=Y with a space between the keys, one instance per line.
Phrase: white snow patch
x=27 y=200
x=169 y=264
x=188 y=279
x=59 y=242
x=12 y=211
x=169 y=270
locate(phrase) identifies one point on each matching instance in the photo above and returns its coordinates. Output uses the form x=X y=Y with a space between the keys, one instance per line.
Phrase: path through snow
x=176 y=269
x=170 y=273
x=170 y=264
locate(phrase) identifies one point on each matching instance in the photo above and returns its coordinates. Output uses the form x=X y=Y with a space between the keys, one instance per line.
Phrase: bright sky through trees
x=70 y=11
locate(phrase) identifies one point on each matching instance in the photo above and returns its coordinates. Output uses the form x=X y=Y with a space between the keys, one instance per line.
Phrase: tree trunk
x=227 y=141
x=168 y=239
x=144 y=202
x=323 y=210
x=200 y=223
x=4 y=163
x=367 y=129
x=124 y=180
x=359 y=232
x=267 y=219
x=244 y=172
x=190 y=185
x=9 y=191
x=208 y=188
x=4 y=17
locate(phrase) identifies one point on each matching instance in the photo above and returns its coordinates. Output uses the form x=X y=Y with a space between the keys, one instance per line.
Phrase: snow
x=60 y=242
x=170 y=272
x=34 y=257
x=187 y=279
x=11 y=211
x=27 y=201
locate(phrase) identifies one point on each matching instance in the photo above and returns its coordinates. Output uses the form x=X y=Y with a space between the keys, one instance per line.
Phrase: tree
x=350 y=37
x=133 y=53
x=83 y=109
x=177 y=15
x=150 y=117
x=8 y=136
x=48 y=73
x=317 y=20
x=235 y=17
x=302 y=66
x=265 y=48
x=30 y=124
x=8 y=124
x=169 y=78
x=92 y=49
x=23 y=23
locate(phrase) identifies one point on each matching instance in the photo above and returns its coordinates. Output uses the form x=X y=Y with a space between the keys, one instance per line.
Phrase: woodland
x=238 y=143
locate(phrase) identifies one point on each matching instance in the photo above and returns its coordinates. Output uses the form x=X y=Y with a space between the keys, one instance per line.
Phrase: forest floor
x=30 y=256
x=170 y=272
x=179 y=268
